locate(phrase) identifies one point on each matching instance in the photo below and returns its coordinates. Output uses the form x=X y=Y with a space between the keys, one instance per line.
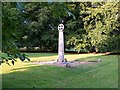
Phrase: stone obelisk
x=61 y=43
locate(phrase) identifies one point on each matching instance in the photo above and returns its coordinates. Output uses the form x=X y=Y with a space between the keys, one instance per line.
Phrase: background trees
x=88 y=26
x=9 y=27
x=10 y=33
x=101 y=25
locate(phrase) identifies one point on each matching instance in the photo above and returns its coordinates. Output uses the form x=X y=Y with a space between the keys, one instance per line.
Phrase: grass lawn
x=95 y=75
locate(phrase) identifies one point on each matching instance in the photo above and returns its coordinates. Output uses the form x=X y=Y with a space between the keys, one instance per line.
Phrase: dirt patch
x=63 y=64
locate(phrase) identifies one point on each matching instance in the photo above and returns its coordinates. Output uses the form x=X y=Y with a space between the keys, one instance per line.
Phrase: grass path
x=96 y=75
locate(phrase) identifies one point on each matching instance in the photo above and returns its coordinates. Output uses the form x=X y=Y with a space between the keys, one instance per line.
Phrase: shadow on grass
x=97 y=75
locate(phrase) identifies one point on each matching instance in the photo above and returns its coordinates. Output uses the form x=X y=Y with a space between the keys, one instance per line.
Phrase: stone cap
x=60 y=27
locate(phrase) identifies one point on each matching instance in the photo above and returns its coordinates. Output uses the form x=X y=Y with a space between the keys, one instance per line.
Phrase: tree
x=101 y=22
x=88 y=26
x=40 y=21
x=30 y=22
x=77 y=36
x=10 y=33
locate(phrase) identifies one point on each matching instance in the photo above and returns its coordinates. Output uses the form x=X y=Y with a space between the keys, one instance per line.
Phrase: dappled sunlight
x=39 y=53
x=19 y=66
x=79 y=56
x=22 y=66
x=41 y=76
x=69 y=57
x=46 y=58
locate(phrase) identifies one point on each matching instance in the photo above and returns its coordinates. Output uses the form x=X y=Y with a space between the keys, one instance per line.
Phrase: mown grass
x=53 y=56
x=95 y=75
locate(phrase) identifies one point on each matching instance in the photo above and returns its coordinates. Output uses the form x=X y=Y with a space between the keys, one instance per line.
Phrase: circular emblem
x=60 y=27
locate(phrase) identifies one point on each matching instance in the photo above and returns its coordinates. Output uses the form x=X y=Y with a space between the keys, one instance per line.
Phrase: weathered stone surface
x=63 y=64
x=61 y=43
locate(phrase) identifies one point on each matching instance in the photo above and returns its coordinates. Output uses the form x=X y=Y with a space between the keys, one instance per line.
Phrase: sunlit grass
x=96 y=75
x=48 y=57
x=54 y=56
x=5 y=68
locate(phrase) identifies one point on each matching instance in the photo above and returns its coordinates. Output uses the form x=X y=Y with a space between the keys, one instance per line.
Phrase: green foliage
x=99 y=75
x=36 y=31
x=10 y=23
x=89 y=26
x=40 y=27
x=9 y=26
x=100 y=23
